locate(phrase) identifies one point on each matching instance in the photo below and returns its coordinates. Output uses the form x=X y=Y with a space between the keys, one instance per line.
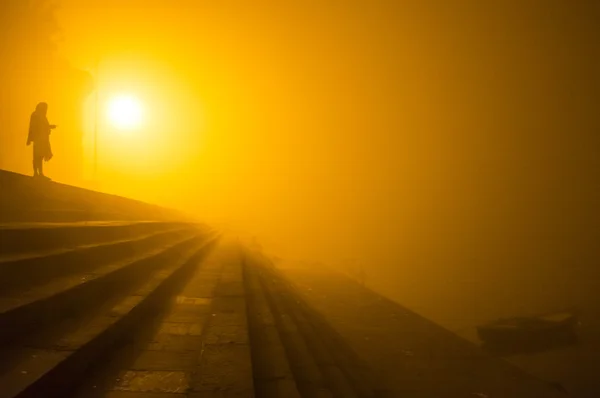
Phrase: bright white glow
x=125 y=112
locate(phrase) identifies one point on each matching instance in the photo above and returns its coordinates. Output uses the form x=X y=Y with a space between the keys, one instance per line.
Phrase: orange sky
x=357 y=128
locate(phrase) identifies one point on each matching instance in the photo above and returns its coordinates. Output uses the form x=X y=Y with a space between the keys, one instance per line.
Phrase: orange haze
x=428 y=139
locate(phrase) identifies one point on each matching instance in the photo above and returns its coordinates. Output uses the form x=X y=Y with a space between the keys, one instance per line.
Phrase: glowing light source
x=125 y=112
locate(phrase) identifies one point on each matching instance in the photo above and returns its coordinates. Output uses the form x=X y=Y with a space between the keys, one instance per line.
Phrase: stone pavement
x=411 y=356
x=200 y=346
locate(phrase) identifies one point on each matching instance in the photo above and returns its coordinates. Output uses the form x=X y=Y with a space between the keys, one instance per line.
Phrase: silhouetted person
x=39 y=134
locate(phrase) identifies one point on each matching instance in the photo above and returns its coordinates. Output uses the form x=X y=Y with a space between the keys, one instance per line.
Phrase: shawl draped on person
x=39 y=133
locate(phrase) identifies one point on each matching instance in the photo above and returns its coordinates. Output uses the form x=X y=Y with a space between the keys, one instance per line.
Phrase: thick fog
x=450 y=147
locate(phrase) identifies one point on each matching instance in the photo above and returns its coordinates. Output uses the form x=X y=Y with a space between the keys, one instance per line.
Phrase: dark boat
x=542 y=330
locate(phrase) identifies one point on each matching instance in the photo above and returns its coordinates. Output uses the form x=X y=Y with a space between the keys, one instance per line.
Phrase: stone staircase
x=162 y=308
x=133 y=300
x=154 y=306
x=61 y=307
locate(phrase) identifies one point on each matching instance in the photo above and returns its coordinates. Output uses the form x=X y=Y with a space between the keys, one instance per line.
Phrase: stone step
x=74 y=293
x=25 y=198
x=342 y=371
x=198 y=347
x=22 y=238
x=311 y=380
x=26 y=270
x=273 y=377
x=225 y=365
x=321 y=364
x=60 y=216
x=50 y=362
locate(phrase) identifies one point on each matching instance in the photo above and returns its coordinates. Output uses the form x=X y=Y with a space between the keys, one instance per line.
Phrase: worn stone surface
x=201 y=347
x=189 y=309
x=153 y=381
x=183 y=329
x=269 y=356
x=84 y=333
x=222 y=394
x=31 y=365
x=125 y=306
x=229 y=305
x=203 y=284
x=232 y=271
x=165 y=360
x=226 y=334
x=409 y=354
x=132 y=394
x=261 y=311
x=271 y=362
x=227 y=319
x=272 y=374
x=230 y=288
x=224 y=367
x=279 y=388
x=175 y=342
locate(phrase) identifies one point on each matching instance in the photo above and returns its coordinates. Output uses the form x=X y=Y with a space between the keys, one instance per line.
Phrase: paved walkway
x=412 y=356
x=198 y=348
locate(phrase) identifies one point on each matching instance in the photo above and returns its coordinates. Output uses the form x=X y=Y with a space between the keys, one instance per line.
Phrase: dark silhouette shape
x=30 y=25
x=39 y=134
x=520 y=335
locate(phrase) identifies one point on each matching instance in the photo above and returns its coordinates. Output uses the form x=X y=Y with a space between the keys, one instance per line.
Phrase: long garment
x=39 y=134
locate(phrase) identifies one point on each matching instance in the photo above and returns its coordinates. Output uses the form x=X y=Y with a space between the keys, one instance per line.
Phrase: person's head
x=42 y=108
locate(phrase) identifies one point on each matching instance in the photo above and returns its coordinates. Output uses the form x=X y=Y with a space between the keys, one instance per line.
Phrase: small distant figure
x=39 y=134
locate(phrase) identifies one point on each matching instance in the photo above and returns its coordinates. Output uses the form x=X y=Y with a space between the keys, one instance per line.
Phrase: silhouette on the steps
x=39 y=135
